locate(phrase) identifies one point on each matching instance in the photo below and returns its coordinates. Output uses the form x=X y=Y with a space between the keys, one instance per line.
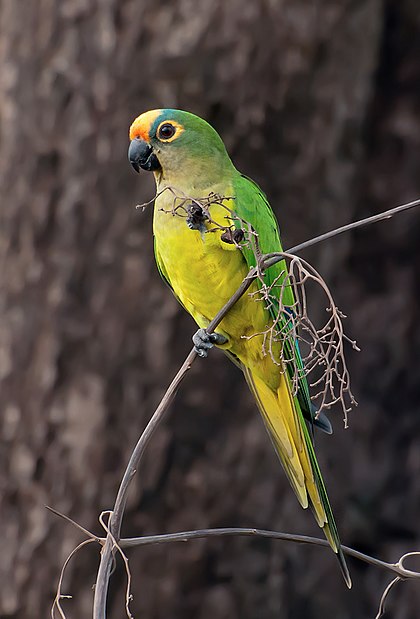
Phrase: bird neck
x=194 y=175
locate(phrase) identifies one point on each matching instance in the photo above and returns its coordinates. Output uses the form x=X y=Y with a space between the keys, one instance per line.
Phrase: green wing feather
x=251 y=205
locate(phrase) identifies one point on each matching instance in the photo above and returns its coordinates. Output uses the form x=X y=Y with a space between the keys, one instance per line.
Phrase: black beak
x=141 y=155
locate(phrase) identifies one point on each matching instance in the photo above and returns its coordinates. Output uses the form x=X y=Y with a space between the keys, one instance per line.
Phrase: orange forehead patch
x=142 y=125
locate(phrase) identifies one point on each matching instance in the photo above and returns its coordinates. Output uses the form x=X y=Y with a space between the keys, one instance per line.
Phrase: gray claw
x=203 y=341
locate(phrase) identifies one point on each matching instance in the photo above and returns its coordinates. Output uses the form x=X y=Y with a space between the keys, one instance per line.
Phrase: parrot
x=202 y=255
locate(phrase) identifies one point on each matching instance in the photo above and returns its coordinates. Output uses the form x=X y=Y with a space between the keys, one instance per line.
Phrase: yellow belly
x=204 y=272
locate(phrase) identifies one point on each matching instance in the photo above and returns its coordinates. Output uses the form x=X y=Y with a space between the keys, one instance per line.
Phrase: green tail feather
x=330 y=528
x=303 y=403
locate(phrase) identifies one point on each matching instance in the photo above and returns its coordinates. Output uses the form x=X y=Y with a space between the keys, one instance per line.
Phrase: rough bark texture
x=319 y=102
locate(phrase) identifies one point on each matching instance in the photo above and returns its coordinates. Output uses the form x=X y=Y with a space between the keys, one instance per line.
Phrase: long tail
x=290 y=436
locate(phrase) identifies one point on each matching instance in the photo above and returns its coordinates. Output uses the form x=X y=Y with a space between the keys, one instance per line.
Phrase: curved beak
x=141 y=155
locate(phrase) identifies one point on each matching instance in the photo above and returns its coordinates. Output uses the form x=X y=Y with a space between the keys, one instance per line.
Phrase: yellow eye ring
x=168 y=131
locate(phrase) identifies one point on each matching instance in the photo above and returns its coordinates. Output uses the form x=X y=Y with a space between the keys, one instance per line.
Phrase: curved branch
x=384 y=597
x=102 y=580
x=185 y=536
x=61 y=596
x=397 y=568
x=361 y=223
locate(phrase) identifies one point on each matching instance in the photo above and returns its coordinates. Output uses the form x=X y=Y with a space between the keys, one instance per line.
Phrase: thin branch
x=60 y=596
x=292 y=323
x=92 y=536
x=102 y=581
x=383 y=599
x=185 y=536
x=361 y=223
x=117 y=546
x=399 y=578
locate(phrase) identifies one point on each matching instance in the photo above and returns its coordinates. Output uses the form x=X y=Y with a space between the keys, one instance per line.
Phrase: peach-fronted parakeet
x=204 y=267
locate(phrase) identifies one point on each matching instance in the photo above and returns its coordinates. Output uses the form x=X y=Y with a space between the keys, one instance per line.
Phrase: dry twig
x=61 y=596
x=117 y=546
x=186 y=536
x=292 y=324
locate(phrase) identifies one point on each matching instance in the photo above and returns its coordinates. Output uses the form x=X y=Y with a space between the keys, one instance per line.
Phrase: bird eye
x=166 y=131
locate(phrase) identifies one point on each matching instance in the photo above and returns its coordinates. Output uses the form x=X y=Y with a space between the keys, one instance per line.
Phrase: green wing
x=252 y=206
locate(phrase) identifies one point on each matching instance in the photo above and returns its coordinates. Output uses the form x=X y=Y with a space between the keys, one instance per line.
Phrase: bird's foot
x=203 y=341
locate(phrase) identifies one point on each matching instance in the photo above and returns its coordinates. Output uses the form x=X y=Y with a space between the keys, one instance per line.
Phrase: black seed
x=238 y=235
x=196 y=217
x=226 y=237
x=233 y=236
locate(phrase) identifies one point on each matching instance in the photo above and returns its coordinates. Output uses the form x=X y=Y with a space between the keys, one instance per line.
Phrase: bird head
x=176 y=146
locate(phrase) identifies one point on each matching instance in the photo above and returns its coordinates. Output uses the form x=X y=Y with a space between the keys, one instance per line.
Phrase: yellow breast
x=201 y=271
x=204 y=272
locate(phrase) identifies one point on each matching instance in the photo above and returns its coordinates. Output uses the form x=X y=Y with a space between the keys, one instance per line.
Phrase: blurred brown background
x=320 y=103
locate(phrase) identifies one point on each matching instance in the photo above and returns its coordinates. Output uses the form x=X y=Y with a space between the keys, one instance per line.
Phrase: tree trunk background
x=318 y=102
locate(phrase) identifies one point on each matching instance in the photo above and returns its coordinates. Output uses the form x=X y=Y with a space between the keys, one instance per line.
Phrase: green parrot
x=201 y=254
